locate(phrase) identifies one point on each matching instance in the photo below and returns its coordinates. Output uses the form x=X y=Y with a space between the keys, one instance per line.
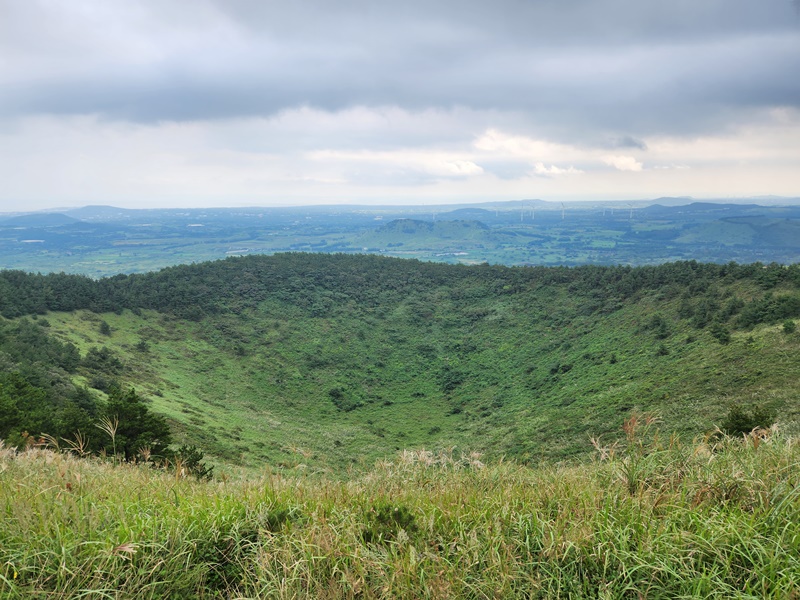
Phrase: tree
x=137 y=427
x=720 y=332
x=190 y=458
x=23 y=406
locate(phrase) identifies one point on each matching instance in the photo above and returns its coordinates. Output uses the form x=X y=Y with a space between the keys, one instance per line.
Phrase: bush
x=102 y=359
x=342 y=401
x=741 y=420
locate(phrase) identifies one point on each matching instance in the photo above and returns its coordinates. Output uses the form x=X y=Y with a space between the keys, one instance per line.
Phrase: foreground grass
x=648 y=520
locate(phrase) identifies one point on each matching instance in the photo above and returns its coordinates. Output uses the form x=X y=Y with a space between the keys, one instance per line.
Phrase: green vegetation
x=742 y=420
x=330 y=362
x=400 y=429
x=649 y=518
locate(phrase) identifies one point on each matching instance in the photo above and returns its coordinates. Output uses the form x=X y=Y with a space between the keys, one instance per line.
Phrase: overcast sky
x=148 y=103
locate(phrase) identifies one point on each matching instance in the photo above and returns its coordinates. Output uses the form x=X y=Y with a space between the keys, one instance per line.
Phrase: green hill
x=760 y=230
x=38 y=220
x=332 y=361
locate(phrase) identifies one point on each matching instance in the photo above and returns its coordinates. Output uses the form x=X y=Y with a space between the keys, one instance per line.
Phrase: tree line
x=326 y=282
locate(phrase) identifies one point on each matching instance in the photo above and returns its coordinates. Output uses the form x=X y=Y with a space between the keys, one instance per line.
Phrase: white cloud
x=463 y=167
x=496 y=142
x=540 y=169
x=373 y=156
x=623 y=163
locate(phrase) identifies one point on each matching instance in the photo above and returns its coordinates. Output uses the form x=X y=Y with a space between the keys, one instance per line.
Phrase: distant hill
x=469 y=214
x=529 y=232
x=745 y=231
x=102 y=213
x=38 y=220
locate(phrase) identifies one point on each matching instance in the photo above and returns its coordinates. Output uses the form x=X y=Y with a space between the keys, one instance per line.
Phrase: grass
x=521 y=377
x=649 y=518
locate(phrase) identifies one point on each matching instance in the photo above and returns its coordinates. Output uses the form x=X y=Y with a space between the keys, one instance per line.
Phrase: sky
x=199 y=103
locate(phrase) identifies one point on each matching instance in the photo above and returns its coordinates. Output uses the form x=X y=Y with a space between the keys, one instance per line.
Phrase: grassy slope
x=653 y=520
x=528 y=376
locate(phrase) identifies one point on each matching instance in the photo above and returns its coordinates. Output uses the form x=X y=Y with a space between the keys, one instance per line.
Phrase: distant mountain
x=102 y=213
x=38 y=220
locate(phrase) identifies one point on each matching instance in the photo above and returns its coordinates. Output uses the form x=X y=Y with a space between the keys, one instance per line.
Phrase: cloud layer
x=239 y=101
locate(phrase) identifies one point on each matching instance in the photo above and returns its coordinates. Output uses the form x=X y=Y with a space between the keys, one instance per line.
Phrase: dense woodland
x=38 y=372
x=326 y=284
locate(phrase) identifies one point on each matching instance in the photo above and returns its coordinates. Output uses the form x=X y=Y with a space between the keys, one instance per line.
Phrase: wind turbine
x=562 y=211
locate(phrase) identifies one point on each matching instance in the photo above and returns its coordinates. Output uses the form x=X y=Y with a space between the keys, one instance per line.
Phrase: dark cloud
x=628 y=141
x=574 y=68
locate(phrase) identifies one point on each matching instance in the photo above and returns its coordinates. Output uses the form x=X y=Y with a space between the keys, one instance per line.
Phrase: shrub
x=742 y=419
x=102 y=359
x=342 y=401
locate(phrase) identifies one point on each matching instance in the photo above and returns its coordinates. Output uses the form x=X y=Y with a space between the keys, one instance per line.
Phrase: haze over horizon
x=243 y=103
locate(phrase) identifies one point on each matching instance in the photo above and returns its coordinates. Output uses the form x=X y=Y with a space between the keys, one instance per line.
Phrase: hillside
x=36 y=220
x=650 y=519
x=333 y=361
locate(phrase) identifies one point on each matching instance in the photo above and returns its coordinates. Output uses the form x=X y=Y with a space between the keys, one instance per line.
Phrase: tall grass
x=649 y=519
